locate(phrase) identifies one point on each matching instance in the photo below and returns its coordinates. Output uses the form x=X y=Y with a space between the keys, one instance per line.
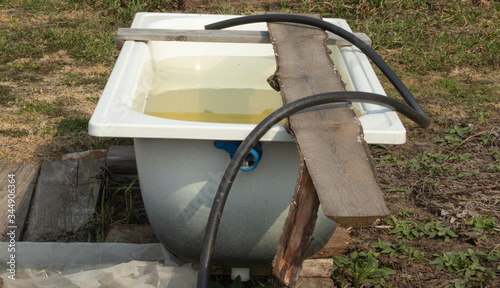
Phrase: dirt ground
x=452 y=203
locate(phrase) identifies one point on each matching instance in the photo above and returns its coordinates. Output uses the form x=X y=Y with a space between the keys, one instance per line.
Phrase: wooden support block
x=121 y=160
x=221 y=36
x=85 y=155
x=336 y=245
x=22 y=177
x=316 y=273
x=121 y=170
x=315 y=282
x=317 y=268
x=131 y=233
x=64 y=197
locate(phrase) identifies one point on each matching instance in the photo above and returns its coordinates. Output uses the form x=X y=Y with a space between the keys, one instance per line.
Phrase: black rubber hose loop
x=301 y=19
x=252 y=139
x=413 y=111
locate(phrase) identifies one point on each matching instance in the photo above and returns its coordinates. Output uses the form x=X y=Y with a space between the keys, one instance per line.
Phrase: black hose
x=301 y=19
x=414 y=112
x=257 y=133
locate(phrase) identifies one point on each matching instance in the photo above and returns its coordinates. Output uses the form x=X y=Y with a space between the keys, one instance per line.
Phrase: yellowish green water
x=217 y=89
x=239 y=106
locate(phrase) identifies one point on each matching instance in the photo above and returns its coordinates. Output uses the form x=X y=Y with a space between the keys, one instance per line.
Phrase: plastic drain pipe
x=257 y=133
x=301 y=19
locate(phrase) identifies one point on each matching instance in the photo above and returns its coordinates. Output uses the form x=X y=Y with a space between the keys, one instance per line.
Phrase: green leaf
x=388 y=271
x=341 y=260
x=237 y=282
x=213 y=284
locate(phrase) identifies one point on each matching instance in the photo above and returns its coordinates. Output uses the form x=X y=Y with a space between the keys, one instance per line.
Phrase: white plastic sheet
x=94 y=265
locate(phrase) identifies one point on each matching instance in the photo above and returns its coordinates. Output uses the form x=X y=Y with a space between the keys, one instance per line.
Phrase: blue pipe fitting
x=251 y=161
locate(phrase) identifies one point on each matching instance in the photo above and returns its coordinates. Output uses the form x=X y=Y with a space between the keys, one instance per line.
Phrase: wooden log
x=221 y=36
x=64 y=197
x=23 y=178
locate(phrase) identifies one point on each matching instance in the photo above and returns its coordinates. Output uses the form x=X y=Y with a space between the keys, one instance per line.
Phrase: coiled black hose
x=252 y=139
x=301 y=19
x=413 y=111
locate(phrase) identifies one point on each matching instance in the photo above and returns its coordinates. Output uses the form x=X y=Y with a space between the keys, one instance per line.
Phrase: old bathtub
x=176 y=98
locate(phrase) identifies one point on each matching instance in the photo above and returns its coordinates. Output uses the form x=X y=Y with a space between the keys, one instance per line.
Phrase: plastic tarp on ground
x=93 y=265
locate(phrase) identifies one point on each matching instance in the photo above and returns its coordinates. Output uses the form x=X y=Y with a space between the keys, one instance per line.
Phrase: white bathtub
x=179 y=167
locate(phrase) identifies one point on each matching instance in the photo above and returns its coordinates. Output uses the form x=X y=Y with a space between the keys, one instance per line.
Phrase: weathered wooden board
x=121 y=170
x=330 y=143
x=64 y=197
x=24 y=181
x=222 y=36
x=299 y=226
x=315 y=282
x=317 y=268
x=330 y=140
x=121 y=160
x=336 y=245
x=84 y=155
x=131 y=233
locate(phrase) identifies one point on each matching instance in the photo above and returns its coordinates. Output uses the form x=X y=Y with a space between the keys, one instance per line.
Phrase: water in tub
x=217 y=89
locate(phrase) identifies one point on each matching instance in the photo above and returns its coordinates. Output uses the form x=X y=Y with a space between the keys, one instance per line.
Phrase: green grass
x=76 y=79
x=16 y=132
x=42 y=107
x=72 y=125
x=5 y=96
x=419 y=31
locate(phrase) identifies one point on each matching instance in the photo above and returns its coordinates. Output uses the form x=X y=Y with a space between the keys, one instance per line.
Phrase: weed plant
x=360 y=268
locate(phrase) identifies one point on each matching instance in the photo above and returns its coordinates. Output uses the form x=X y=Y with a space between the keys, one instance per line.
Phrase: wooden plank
x=330 y=143
x=90 y=154
x=299 y=226
x=64 y=197
x=315 y=282
x=121 y=170
x=88 y=187
x=317 y=268
x=221 y=36
x=329 y=137
x=121 y=160
x=301 y=219
x=24 y=178
x=131 y=233
x=336 y=245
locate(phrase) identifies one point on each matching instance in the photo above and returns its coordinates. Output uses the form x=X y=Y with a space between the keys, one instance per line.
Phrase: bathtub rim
x=113 y=116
